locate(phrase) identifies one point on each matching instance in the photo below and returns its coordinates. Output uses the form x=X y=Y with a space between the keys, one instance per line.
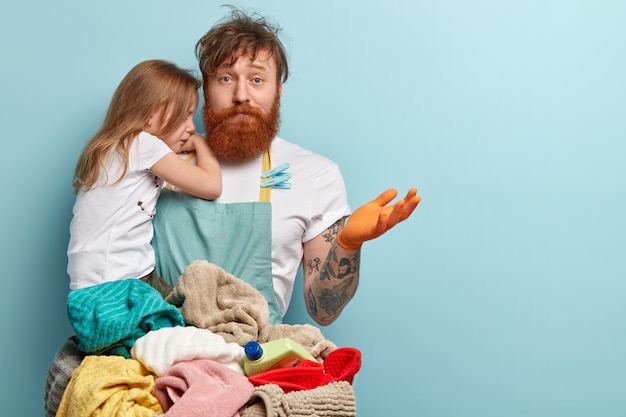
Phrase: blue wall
x=502 y=296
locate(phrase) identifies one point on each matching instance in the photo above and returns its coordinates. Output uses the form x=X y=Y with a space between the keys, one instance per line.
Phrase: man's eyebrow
x=259 y=67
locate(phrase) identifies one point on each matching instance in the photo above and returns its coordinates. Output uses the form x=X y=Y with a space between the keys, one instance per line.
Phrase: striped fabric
x=108 y=318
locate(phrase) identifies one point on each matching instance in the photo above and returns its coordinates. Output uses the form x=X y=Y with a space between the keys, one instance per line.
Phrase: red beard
x=241 y=138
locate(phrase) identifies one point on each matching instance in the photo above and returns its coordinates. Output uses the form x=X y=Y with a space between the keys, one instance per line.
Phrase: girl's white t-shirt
x=111 y=230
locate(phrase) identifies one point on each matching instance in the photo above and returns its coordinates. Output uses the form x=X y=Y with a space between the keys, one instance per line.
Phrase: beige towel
x=333 y=400
x=210 y=298
x=308 y=336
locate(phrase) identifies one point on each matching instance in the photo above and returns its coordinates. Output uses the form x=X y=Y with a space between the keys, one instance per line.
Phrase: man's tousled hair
x=240 y=33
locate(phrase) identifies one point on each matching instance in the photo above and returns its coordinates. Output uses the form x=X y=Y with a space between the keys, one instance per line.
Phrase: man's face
x=241 y=112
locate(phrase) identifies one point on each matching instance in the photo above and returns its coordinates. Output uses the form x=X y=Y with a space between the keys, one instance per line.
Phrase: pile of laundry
x=137 y=354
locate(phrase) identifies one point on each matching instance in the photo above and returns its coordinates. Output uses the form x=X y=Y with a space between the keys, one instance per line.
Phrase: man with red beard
x=281 y=205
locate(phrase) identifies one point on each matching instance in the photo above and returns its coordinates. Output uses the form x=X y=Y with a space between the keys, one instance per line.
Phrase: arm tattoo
x=344 y=267
x=334 y=299
x=312 y=303
x=331 y=233
x=314 y=265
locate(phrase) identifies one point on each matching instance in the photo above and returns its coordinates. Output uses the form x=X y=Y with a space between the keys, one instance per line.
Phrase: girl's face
x=177 y=138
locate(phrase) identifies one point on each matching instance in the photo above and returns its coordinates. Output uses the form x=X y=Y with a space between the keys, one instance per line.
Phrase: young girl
x=120 y=173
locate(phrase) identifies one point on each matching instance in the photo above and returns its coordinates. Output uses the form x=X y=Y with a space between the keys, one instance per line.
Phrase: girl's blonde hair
x=151 y=86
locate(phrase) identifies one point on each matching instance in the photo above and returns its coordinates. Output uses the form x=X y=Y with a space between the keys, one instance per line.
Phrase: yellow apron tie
x=188 y=158
x=265 y=193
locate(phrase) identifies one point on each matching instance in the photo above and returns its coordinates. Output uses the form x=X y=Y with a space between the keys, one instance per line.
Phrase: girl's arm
x=202 y=180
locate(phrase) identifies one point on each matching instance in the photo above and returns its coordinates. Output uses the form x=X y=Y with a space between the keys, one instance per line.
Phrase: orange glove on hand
x=374 y=218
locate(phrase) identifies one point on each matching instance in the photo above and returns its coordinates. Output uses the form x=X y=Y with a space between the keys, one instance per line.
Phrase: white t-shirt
x=111 y=230
x=316 y=200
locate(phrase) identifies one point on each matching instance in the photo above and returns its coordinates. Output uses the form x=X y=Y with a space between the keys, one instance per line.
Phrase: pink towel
x=202 y=388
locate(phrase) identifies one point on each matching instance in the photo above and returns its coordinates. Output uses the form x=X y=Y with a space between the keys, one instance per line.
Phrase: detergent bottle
x=280 y=353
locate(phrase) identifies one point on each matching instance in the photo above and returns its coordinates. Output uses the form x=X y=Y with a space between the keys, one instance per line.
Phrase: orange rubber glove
x=374 y=218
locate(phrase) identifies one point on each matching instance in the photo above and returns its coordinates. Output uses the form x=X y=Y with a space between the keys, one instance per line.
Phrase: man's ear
x=280 y=89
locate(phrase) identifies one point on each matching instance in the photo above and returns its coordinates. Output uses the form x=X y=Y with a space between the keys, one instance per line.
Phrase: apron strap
x=188 y=158
x=265 y=192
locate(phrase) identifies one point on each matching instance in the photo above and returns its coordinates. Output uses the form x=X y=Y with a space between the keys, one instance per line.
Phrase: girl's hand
x=201 y=179
x=191 y=144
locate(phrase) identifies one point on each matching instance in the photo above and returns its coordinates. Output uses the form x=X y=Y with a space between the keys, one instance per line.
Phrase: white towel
x=159 y=349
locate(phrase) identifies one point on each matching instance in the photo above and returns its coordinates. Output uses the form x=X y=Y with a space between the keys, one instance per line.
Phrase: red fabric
x=340 y=365
x=343 y=363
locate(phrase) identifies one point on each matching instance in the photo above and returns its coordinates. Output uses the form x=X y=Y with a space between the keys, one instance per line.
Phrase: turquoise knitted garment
x=108 y=318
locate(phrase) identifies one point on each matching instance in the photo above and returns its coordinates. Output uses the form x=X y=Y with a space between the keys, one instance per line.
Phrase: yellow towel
x=110 y=386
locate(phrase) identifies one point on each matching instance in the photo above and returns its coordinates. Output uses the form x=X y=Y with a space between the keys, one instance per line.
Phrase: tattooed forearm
x=333 y=299
x=331 y=276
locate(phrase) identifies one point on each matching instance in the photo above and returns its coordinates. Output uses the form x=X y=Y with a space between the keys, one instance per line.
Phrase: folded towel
x=159 y=349
x=210 y=298
x=109 y=317
x=332 y=400
x=202 y=387
x=67 y=359
x=110 y=386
